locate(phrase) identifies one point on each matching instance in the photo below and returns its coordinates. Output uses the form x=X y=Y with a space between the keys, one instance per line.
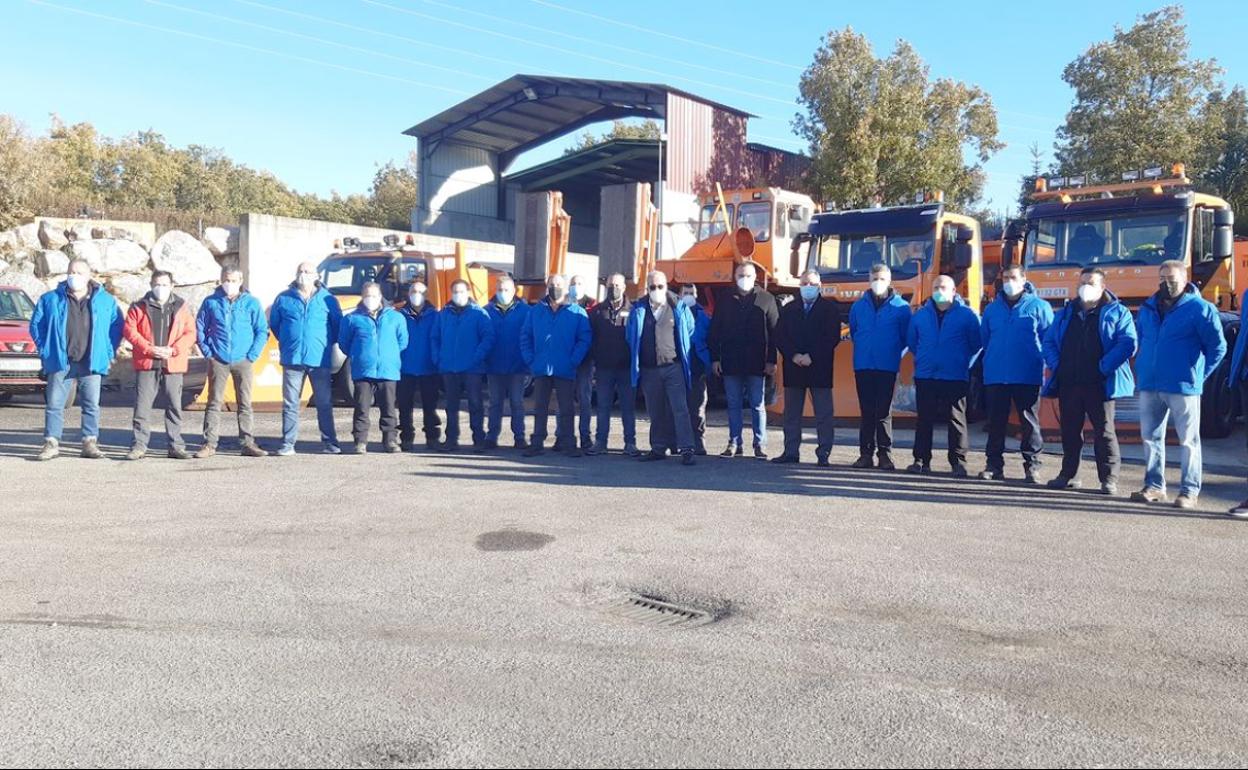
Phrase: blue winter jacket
x=230 y=332
x=1118 y=344
x=1178 y=352
x=1239 y=372
x=463 y=339
x=47 y=329
x=879 y=334
x=417 y=359
x=701 y=329
x=684 y=335
x=944 y=350
x=554 y=344
x=374 y=345
x=505 y=358
x=305 y=331
x=1013 y=339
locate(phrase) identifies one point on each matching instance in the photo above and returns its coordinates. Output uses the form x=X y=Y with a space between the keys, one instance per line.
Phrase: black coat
x=609 y=349
x=816 y=334
x=742 y=337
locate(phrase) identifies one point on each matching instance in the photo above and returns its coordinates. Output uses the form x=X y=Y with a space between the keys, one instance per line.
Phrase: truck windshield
x=346 y=276
x=707 y=227
x=15 y=306
x=757 y=217
x=848 y=254
x=1113 y=239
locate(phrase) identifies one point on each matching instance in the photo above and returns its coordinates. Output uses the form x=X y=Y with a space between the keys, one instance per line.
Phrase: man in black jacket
x=612 y=367
x=742 y=340
x=807 y=336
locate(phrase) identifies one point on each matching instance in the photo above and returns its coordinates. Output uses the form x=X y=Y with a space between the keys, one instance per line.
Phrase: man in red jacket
x=161 y=330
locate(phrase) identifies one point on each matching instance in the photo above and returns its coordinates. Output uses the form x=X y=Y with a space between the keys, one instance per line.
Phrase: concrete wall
x=270 y=248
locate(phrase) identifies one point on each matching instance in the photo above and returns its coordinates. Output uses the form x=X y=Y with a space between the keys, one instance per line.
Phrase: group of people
x=665 y=344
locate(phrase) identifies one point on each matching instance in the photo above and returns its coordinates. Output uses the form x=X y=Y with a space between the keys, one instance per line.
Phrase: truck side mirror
x=965 y=234
x=962 y=255
x=1009 y=254
x=1223 y=233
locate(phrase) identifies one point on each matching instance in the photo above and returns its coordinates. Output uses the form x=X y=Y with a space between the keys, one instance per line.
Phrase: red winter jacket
x=181 y=338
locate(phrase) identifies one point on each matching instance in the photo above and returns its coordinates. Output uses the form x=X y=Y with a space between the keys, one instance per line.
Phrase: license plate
x=19 y=364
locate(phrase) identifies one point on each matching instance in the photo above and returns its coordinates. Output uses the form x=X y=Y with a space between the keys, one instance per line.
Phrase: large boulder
x=27 y=236
x=51 y=236
x=130 y=287
x=123 y=256
x=195 y=295
x=184 y=256
x=4 y=266
x=52 y=281
x=221 y=240
x=8 y=241
x=51 y=262
x=24 y=281
x=21 y=261
x=88 y=250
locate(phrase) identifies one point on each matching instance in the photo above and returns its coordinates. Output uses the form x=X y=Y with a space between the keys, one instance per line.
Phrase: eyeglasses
x=656 y=288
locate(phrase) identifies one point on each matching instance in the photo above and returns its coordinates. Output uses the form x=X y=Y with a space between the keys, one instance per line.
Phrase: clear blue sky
x=319 y=92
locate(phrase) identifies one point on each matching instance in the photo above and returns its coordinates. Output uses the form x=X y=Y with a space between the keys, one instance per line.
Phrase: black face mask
x=1169 y=291
x=555 y=294
x=613 y=293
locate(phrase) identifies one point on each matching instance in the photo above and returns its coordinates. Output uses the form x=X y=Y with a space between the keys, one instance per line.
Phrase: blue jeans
x=737 y=386
x=584 y=401
x=610 y=383
x=506 y=388
x=292 y=397
x=1155 y=409
x=56 y=392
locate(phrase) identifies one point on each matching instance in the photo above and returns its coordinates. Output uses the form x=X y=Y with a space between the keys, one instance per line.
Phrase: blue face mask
x=809 y=293
x=941 y=297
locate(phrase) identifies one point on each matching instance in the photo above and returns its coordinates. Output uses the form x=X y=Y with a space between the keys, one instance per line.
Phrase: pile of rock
x=36 y=257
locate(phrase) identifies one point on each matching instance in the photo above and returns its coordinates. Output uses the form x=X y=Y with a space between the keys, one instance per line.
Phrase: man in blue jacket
x=419 y=374
x=1088 y=353
x=1181 y=344
x=506 y=373
x=76 y=327
x=373 y=337
x=232 y=332
x=462 y=343
x=608 y=322
x=699 y=365
x=554 y=341
x=1013 y=332
x=1237 y=379
x=944 y=339
x=660 y=342
x=878 y=324
x=305 y=318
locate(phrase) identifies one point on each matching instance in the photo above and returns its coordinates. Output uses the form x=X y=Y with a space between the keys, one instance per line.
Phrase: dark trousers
x=667 y=406
x=1025 y=399
x=697 y=406
x=609 y=384
x=585 y=402
x=1080 y=402
x=381 y=393
x=940 y=400
x=794 y=406
x=170 y=386
x=1243 y=400
x=875 y=403
x=427 y=386
x=459 y=386
x=566 y=398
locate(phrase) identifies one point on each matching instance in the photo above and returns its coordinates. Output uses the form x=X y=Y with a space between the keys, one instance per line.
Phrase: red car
x=19 y=359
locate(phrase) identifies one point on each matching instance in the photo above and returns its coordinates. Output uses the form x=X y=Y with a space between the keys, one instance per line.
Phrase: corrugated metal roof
x=526 y=110
x=615 y=162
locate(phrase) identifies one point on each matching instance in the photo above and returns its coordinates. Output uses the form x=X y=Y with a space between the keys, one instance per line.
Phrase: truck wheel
x=1217 y=405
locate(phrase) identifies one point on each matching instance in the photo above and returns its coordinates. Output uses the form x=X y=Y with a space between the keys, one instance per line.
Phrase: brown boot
x=205 y=451
x=251 y=450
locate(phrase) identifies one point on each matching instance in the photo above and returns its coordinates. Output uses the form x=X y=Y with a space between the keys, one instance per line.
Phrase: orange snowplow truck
x=1128 y=229
x=918 y=242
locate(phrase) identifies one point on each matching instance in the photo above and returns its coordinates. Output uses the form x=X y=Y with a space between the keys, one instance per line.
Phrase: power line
x=243 y=46
x=721 y=49
x=592 y=41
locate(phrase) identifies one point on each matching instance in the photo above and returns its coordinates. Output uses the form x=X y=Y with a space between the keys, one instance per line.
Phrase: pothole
x=512 y=540
x=396 y=754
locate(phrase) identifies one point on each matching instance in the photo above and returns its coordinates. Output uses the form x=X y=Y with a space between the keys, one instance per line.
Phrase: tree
x=647 y=129
x=1138 y=100
x=879 y=129
x=1224 y=161
x=24 y=173
x=1027 y=184
x=394 y=193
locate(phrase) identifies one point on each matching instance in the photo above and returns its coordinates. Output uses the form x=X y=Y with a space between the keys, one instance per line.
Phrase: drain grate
x=653 y=611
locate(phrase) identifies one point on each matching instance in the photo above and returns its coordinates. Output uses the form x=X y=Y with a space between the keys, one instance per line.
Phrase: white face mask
x=688 y=300
x=658 y=296
x=307 y=280
x=460 y=298
x=745 y=284
x=1012 y=288
x=505 y=297
x=575 y=292
x=232 y=288
x=416 y=299
x=1090 y=295
x=879 y=287
x=77 y=282
x=161 y=293
x=371 y=304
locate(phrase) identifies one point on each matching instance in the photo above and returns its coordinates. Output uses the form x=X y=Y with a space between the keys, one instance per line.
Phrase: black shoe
x=406 y=445
x=491 y=443
x=700 y=449
x=575 y=451
x=959 y=471
x=992 y=474
x=686 y=457
x=1064 y=482
x=823 y=462
x=534 y=449
x=886 y=463
x=479 y=448
x=653 y=456
x=759 y=453
x=731 y=450
x=864 y=461
x=917 y=467
x=782 y=459
x=1029 y=476
x=521 y=444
